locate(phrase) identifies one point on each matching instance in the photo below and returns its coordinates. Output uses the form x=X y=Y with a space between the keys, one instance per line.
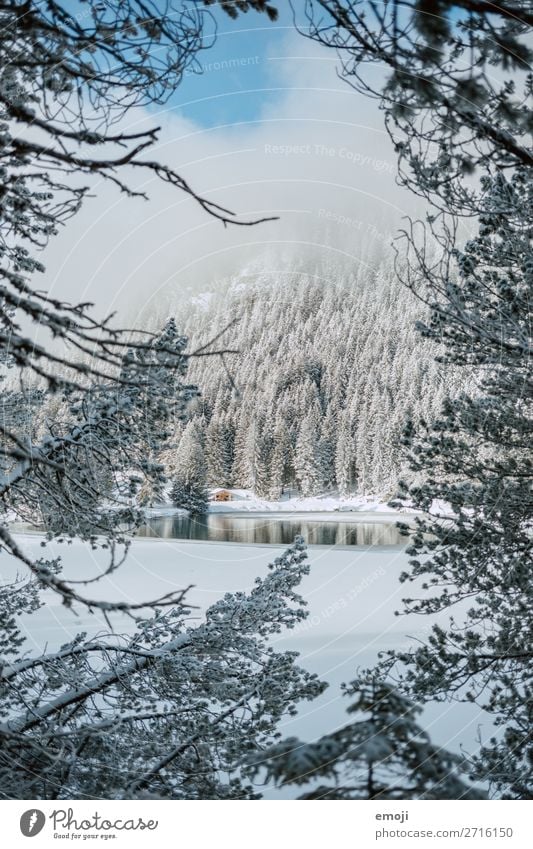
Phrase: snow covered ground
x=352 y=596
x=246 y=500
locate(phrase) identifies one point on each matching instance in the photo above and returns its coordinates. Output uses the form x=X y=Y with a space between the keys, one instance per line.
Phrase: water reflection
x=223 y=528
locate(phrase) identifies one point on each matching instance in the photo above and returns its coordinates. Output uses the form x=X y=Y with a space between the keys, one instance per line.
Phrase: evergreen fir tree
x=308 y=460
x=476 y=459
x=280 y=471
x=384 y=754
x=344 y=458
x=327 y=448
x=243 y=465
x=189 y=487
x=216 y=452
x=263 y=449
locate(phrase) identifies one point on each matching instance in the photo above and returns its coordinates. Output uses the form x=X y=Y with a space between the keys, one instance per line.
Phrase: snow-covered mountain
x=323 y=366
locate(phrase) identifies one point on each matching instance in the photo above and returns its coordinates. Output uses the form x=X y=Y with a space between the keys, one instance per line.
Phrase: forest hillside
x=328 y=368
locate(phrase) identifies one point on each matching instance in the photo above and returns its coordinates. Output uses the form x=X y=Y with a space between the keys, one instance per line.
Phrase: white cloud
x=318 y=157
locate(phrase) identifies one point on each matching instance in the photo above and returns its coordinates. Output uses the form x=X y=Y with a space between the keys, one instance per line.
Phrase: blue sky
x=238 y=79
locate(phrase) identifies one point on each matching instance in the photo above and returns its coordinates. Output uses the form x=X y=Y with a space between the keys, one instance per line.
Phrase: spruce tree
x=189 y=486
x=327 y=448
x=308 y=460
x=281 y=458
x=243 y=464
x=383 y=754
x=344 y=458
x=476 y=459
x=263 y=448
x=216 y=450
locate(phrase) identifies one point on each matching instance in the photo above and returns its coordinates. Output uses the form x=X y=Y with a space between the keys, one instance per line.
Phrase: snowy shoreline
x=324 y=508
x=243 y=500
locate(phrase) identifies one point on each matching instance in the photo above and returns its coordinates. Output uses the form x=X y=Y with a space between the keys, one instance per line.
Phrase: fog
x=317 y=156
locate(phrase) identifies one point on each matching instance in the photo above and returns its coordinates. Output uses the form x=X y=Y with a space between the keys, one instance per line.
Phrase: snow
x=246 y=500
x=352 y=596
x=202 y=300
x=323 y=508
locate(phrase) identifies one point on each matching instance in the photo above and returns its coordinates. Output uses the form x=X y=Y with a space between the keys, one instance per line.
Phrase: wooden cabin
x=221 y=495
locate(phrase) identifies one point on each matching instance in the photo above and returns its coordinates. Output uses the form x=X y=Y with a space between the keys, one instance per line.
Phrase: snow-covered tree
x=308 y=461
x=220 y=450
x=344 y=458
x=454 y=85
x=99 y=455
x=383 y=754
x=171 y=711
x=243 y=467
x=189 y=484
x=162 y=409
x=280 y=466
x=476 y=459
x=263 y=449
x=327 y=449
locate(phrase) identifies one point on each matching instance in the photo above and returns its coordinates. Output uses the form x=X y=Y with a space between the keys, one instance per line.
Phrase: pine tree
x=344 y=458
x=163 y=363
x=308 y=460
x=229 y=449
x=169 y=712
x=327 y=448
x=243 y=465
x=263 y=449
x=280 y=470
x=476 y=459
x=383 y=754
x=189 y=486
x=215 y=451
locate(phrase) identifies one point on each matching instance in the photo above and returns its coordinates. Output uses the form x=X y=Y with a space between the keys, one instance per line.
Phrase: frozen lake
x=352 y=595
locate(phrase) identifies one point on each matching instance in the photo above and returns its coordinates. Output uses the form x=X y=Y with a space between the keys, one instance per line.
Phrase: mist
x=317 y=157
